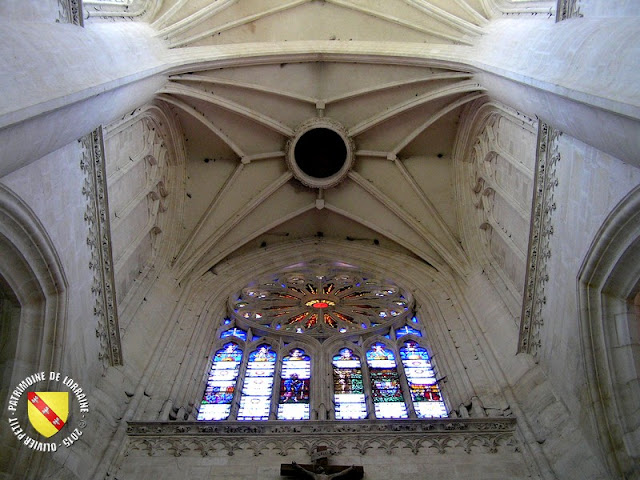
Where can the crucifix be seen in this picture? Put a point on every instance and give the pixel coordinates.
(320, 469)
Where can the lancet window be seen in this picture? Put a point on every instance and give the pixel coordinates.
(321, 341)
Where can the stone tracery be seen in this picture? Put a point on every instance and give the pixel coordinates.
(319, 303)
(321, 299)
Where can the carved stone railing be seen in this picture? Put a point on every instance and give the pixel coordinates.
(99, 241)
(485, 435)
(543, 206)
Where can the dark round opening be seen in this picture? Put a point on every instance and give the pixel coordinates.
(320, 152)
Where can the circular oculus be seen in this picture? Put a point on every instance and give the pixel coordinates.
(320, 154)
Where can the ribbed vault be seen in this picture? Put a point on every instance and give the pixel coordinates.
(402, 120)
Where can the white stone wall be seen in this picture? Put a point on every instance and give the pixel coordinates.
(60, 81)
(545, 421)
(609, 8)
(545, 417)
(590, 184)
(378, 465)
(174, 329)
(30, 10)
(52, 188)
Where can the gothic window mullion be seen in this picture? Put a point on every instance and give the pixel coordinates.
(306, 318)
(406, 388)
(366, 380)
(235, 403)
(277, 375)
(321, 398)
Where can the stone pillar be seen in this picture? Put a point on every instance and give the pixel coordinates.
(61, 81)
(580, 76)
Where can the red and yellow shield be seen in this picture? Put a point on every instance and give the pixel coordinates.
(48, 411)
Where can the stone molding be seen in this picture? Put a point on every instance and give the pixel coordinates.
(70, 11)
(99, 241)
(311, 124)
(487, 435)
(382, 296)
(539, 252)
(117, 10)
(566, 9)
(607, 288)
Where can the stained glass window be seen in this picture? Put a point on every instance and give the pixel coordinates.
(295, 386)
(407, 330)
(255, 402)
(425, 392)
(348, 389)
(386, 390)
(221, 383)
(321, 300)
(234, 332)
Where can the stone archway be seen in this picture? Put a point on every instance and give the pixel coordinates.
(609, 285)
(33, 303)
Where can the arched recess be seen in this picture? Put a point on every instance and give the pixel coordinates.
(145, 207)
(34, 297)
(494, 157)
(437, 306)
(609, 285)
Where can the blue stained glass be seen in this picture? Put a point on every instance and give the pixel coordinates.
(348, 387)
(424, 389)
(386, 390)
(227, 321)
(255, 403)
(407, 330)
(230, 352)
(295, 386)
(414, 319)
(262, 354)
(235, 332)
(221, 383)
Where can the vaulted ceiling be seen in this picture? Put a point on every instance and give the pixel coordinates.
(202, 22)
(238, 117)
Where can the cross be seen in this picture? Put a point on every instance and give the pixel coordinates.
(320, 469)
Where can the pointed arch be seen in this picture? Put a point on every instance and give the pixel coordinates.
(609, 289)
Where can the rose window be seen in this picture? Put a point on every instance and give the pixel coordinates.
(379, 368)
(321, 300)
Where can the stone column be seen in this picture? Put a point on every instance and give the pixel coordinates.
(61, 81)
(579, 75)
